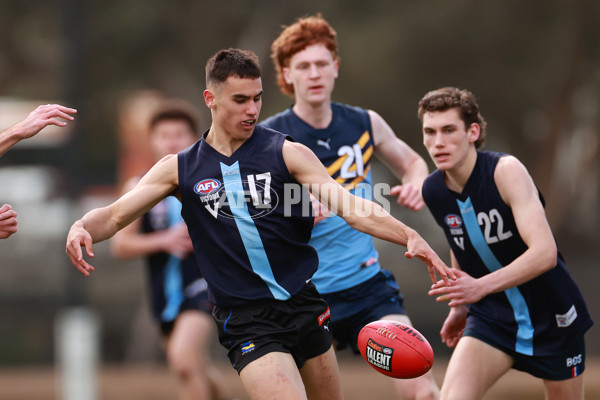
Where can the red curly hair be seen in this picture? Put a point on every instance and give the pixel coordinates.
(296, 37)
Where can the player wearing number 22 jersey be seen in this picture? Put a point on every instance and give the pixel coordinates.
(538, 318)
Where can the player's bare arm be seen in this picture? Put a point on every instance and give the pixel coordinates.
(363, 215)
(519, 192)
(405, 163)
(130, 242)
(38, 119)
(102, 223)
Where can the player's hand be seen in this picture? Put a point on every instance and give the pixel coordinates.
(8, 221)
(177, 241)
(416, 246)
(463, 291)
(454, 326)
(320, 211)
(43, 116)
(409, 196)
(77, 238)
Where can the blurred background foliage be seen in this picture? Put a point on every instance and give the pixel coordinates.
(534, 66)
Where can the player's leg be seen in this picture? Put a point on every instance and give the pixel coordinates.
(321, 377)
(273, 376)
(422, 388)
(569, 389)
(188, 355)
(473, 368)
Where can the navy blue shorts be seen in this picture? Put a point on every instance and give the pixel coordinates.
(298, 326)
(569, 363)
(353, 308)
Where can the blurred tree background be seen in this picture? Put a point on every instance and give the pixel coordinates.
(534, 66)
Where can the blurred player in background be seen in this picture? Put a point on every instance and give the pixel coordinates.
(251, 238)
(37, 120)
(177, 289)
(515, 305)
(345, 138)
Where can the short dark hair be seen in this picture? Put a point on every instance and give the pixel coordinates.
(175, 110)
(232, 62)
(450, 97)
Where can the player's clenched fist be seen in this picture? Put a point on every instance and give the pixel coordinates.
(8, 221)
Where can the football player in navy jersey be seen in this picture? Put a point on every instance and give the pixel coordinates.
(178, 292)
(345, 138)
(514, 304)
(250, 231)
(38, 119)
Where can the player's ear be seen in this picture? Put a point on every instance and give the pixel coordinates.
(473, 132)
(336, 67)
(285, 71)
(209, 98)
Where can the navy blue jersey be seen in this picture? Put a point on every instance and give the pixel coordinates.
(173, 281)
(539, 317)
(347, 257)
(247, 222)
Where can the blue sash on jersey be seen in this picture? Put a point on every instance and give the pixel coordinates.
(173, 281)
(524, 343)
(257, 255)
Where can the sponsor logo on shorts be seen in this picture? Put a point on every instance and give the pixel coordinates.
(324, 317)
(380, 356)
(564, 320)
(247, 347)
(575, 364)
(573, 361)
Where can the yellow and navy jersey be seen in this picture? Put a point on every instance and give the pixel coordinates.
(347, 257)
(539, 317)
(249, 220)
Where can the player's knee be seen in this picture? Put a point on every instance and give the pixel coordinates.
(183, 365)
(430, 393)
(451, 394)
(421, 390)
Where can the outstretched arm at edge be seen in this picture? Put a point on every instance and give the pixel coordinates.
(37, 120)
(102, 223)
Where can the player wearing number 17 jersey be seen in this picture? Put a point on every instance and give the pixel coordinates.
(515, 304)
(252, 249)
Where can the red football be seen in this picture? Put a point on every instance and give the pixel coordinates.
(395, 349)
